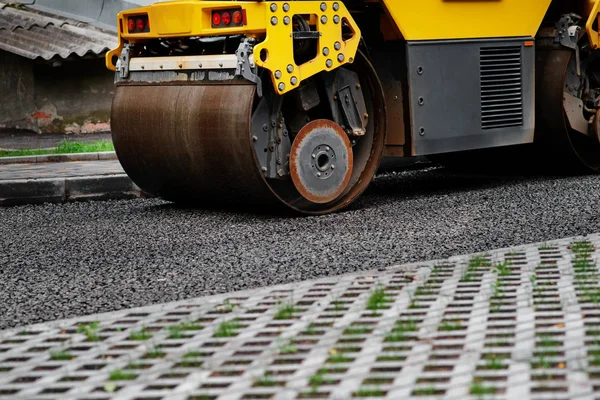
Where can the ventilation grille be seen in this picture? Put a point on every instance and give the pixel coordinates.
(501, 87)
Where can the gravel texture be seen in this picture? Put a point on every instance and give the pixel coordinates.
(59, 261)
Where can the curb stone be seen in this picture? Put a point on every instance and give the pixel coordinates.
(59, 190)
(54, 158)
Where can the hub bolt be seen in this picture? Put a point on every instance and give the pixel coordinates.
(286, 20)
(278, 74)
(336, 6)
(341, 57)
(329, 63)
(336, 19)
(294, 80)
(325, 51)
(281, 86)
(332, 166)
(286, 7)
(274, 20)
(273, 7)
(290, 68)
(337, 45)
(324, 19)
(323, 6)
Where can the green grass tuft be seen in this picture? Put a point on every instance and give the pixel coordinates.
(227, 329)
(64, 147)
(90, 331)
(377, 300)
(120, 375)
(477, 389)
(142, 334)
(369, 392)
(285, 311)
(61, 356)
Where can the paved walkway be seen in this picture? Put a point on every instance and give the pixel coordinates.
(514, 323)
(59, 170)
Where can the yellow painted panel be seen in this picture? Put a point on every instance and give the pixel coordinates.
(193, 18)
(269, 20)
(467, 19)
(279, 42)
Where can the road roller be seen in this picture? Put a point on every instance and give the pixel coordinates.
(291, 105)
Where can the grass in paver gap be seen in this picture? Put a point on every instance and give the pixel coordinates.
(90, 331)
(266, 381)
(495, 298)
(594, 355)
(424, 290)
(472, 268)
(400, 331)
(227, 329)
(120, 375)
(541, 361)
(311, 330)
(64, 147)
(494, 361)
(335, 357)
(155, 352)
(502, 269)
(226, 307)
(369, 392)
(142, 334)
(451, 325)
(61, 356)
(378, 300)
(537, 289)
(176, 331)
(338, 305)
(288, 347)
(478, 389)
(357, 330)
(319, 379)
(285, 311)
(582, 247)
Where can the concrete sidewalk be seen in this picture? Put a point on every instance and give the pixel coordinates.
(512, 323)
(64, 181)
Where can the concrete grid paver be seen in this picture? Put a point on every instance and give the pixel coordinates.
(521, 322)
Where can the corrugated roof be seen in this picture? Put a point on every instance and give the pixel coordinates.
(33, 35)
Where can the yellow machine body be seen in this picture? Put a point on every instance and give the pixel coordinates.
(275, 52)
(355, 79)
(422, 20)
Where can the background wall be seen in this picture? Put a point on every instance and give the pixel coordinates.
(99, 12)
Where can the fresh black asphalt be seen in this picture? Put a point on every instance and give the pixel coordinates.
(59, 261)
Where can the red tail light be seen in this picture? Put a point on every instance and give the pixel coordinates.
(237, 17)
(216, 19)
(228, 18)
(138, 24)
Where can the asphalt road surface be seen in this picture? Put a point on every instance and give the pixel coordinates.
(59, 261)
